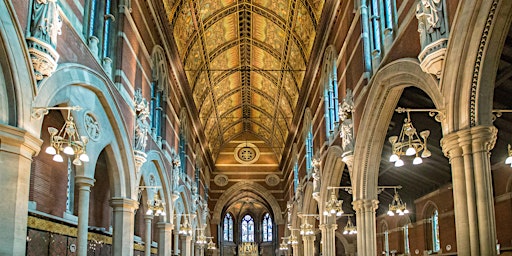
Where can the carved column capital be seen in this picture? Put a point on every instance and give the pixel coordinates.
(474, 139)
(365, 205)
(123, 204)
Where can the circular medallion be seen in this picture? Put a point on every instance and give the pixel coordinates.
(221, 180)
(246, 153)
(92, 126)
(272, 180)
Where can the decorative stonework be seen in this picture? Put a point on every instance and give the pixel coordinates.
(141, 122)
(92, 126)
(478, 63)
(272, 180)
(433, 31)
(317, 176)
(45, 26)
(247, 153)
(346, 109)
(221, 180)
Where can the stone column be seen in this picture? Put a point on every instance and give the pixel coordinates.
(176, 243)
(164, 238)
(295, 248)
(186, 245)
(84, 192)
(309, 245)
(147, 238)
(328, 236)
(469, 154)
(16, 150)
(366, 230)
(122, 237)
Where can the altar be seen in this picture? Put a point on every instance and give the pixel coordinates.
(248, 249)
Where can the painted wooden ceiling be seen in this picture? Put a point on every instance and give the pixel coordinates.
(245, 62)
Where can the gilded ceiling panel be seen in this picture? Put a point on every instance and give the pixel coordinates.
(205, 109)
(268, 32)
(279, 7)
(264, 60)
(286, 109)
(227, 84)
(194, 62)
(291, 89)
(222, 31)
(229, 59)
(262, 131)
(201, 90)
(298, 63)
(228, 103)
(263, 84)
(209, 7)
(317, 6)
(304, 27)
(232, 131)
(262, 103)
(184, 28)
(210, 125)
(229, 117)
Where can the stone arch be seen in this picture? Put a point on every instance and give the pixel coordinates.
(344, 241)
(385, 90)
(331, 172)
(155, 165)
(474, 49)
(250, 186)
(428, 208)
(160, 73)
(17, 83)
(92, 92)
(309, 205)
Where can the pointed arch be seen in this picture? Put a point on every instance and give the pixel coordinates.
(248, 186)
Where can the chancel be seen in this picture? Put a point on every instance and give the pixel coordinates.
(256, 127)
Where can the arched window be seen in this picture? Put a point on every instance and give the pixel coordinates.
(183, 141)
(247, 229)
(309, 149)
(385, 240)
(158, 88)
(330, 91)
(267, 228)
(100, 34)
(228, 228)
(436, 243)
(295, 176)
(406, 239)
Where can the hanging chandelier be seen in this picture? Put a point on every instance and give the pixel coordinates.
(201, 240)
(306, 229)
(333, 206)
(67, 140)
(211, 244)
(409, 143)
(349, 229)
(397, 206)
(185, 228)
(283, 246)
(156, 206)
(292, 239)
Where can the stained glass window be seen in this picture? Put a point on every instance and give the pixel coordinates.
(406, 239)
(330, 92)
(295, 176)
(436, 243)
(309, 149)
(247, 229)
(228, 228)
(267, 228)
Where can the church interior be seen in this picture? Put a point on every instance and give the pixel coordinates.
(256, 127)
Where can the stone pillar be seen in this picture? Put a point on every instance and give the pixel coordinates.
(295, 248)
(186, 245)
(176, 243)
(309, 245)
(84, 192)
(164, 239)
(16, 150)
(366, 230)
(122, 237)
(147, 238)
(328, 237)
(469, 154)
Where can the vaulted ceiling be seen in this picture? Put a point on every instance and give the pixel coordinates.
(245, 62)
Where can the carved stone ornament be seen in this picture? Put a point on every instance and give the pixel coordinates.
(45, 26)
(221, 180)
(92, 126)
(272, 180)
(346, 108)
(433, 32)
(317, 176)
(141, 121)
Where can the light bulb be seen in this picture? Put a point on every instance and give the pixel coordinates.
(410, 151)
(158, 212)
(163, 213)
(417, 160)
(68, 150)
(77, 162)
(58, 158)
(406, 211)
(326, 213)
(339, 213)
(399, 163)
(333, 211)
(391, 213)
(149, 212)
(507, 161)
(401, 213)
(426, 153)
(345, 232)
(52, 151)
(393, 158)
(84, 157)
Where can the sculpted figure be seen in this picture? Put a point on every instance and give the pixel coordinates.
(45, 21)
(316, 178)
(346, 122)
(141, 122)
(431, 25)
